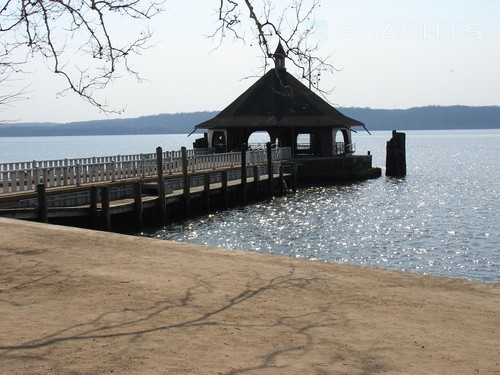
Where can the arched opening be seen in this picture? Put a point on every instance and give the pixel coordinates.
(342, 143)
(219, 143)
(258, 140)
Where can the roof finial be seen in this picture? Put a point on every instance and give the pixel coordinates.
(279, 57)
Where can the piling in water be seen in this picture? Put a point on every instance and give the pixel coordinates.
(395, 163)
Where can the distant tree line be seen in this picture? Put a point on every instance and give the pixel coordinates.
(419, 118)
(428, 118)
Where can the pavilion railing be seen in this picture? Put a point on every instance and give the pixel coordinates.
(342, 148)
(339, 148)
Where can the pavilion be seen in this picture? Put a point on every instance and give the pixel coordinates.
(293, 116)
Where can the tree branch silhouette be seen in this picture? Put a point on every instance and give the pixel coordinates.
(77, 39)
(293, 26)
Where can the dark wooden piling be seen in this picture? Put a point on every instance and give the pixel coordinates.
(105, 211)
(293, 171)
(243, 184)
(185, 183)
(395, 163)
(161, 186)
(256, 179)
(138, 205)
(42, 203)
(283, 186)
(225, 192)
(270, 174)
(93, 216)
(206, 191)
(256, 174)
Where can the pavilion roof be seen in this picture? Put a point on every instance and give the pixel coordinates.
(278, 100)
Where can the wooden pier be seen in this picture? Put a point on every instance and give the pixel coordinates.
(126, 193)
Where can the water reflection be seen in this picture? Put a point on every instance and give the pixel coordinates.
(363, 224)
(442, 219)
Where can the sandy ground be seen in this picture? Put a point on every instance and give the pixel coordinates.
(74, 301)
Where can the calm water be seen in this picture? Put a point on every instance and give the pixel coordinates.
(14, 149)
(442, 219)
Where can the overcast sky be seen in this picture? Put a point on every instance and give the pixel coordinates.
(390, 53)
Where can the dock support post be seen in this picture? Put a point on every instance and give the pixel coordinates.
(105, 212)
(256, 179)
(282, 182)
(185, 182)
(42, 203)
(270, 173)
(244, 174)
(206, 191)
(138, 205)
(256, 174)
(161, 187)
(294, 177)
(93, 207)
(225, 193)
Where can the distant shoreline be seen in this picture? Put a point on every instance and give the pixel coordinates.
(200, 133)
(418, 118)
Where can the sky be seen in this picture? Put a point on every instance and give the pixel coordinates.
(389, 54)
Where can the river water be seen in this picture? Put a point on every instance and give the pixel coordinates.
(441, 219)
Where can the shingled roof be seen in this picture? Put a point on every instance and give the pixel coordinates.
(278, 100)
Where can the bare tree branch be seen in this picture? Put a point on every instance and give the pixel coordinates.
(9, 93)
(293, 26)
(79, 39)
(229, 18)
(76, 38)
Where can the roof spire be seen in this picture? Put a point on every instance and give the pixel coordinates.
(279, 57)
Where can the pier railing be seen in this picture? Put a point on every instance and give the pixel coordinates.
(342, 148)
(25, 176)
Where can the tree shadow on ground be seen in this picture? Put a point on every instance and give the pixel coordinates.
(134, 323)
